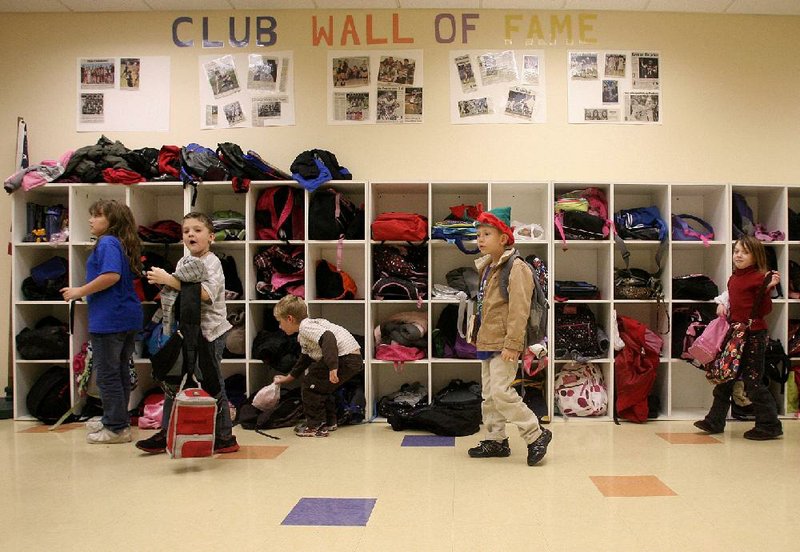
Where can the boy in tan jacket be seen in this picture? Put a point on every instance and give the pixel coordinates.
(500, 340)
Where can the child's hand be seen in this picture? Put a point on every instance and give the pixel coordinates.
(334, 376)
(157, 275)
(70, 293)
(722, 311)
(776, 279)
(509, 356)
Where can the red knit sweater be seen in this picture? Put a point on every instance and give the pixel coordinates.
(743, 287)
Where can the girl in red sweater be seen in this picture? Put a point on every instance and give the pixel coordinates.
(750, 268)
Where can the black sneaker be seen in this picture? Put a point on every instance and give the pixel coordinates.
(155, 444)
(538, 448)
(490, 449)
(759, 434)
(703, 425)
(221, 446)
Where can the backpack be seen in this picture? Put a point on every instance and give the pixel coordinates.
(576, 333)
(398, 354)
(49, 339)
(162, 231)
(453, 340)
(571, 289)
(537, 316)
(265, 170)
(743, 223)
(313, 168)
(772, 264)
(198, 163)
(46, 280)
(582, 215)
(233, 284)
(794, 225)
(455, 411)
(49, 397)
(145, 290)
(351, 402)
(229, 225)
(695, 287)
(640, 223)
(279, 214)
(580, 390)
(334, 283)
(410, 396)
(331, 215)
(687, 324)
(682, 230)
(459, 227)
(400, 227)
(777, 365)
(635, 369)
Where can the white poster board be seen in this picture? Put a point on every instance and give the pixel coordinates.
(130, 93)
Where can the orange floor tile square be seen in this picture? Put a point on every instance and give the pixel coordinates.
(42, 428)
(689, 439)
(631, 485)
(253, 452)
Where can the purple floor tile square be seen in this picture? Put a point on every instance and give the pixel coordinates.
(331, 511)
(428, 441)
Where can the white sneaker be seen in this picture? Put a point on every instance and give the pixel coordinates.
(107, 437)
(93, 426)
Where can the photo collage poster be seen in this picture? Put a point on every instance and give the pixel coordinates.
(618, 87)
(375, 87)
(123, 93)
(497, 87)
(246, 90)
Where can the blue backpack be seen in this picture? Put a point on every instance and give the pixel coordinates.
(641, 223)
(743, 224)
(683, 231)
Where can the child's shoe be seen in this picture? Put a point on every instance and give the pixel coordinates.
(94, 425)
(703, 425)
(538, 448)
(107, 437)
(759, 434)
(221, 446)
(155, 444)
(490, 449)
(306, 431)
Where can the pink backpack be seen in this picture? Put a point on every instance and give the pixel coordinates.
(398, 354)
(709, 344)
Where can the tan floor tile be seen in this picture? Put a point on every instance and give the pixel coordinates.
(253, 452)
(689, 439)
(631, 485)
(41, 428)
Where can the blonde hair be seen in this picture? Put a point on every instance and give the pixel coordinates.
(753, 246)
(290, 305)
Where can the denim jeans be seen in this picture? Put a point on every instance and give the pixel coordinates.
(751, 373)
(209, 357)
(111, 355)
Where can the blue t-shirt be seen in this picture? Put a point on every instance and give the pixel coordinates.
(116, 309)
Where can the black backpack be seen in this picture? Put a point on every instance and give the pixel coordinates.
(695, 287)
(46, 280)
(776, 364)
(576, 333)
(49, 398)
(331, 215)
(49, 339)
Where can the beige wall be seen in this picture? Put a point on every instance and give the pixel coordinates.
(730, 101)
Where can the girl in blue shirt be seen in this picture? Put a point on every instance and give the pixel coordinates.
(115, 314)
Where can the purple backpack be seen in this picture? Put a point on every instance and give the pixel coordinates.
(683, 231)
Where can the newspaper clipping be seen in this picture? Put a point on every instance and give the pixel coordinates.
(615, 65)
(642, 106)
(602, 114)
(393, 70)
(351, 106)
(497, 67)
(473, 107)
(390, 106)
(465, 74)
(212, 115)
(413, 104)
(233, 113)
(266, 110)
(221, 74)
(97, 73)
(262, 72)
(129, 73)
(350, 71)
(92, 108)
(530, 70)
(610, 91)
(521, 102)
(645, 71)
(583, 66)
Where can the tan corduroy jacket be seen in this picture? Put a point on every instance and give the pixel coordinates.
(503, 322)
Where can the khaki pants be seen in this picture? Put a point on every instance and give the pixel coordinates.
(501, 402)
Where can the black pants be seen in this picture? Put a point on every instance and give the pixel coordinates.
(319, 405)
(751, 373)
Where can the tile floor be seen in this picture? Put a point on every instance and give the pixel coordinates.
(652, 487)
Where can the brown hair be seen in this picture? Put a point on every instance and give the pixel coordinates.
(203, 218)
(756, 248)
(290, 305)
(121, 225)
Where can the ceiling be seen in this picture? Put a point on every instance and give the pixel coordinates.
(762, 7)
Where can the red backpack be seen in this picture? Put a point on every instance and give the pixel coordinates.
(279, 214)
(400, 227)
(635, 369)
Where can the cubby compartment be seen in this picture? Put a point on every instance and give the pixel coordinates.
(768, 204)
(633, 196)
(83, 197)
(407, 197)
(26, 257)
(585, 261)
(153, 202)
(352, 263)
(46, 196)
(530, 204)
(691, 394)
(710, 203)
(447, 195)
(290, 211)
(25, 376)
(694, 258)
(217, 197)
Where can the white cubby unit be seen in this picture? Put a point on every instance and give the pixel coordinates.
(681, 388)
